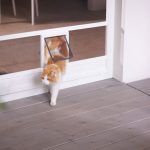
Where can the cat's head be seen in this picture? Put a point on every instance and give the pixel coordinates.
(58, 47)
(50, 74)
(55, 43)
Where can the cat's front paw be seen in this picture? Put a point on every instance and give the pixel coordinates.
(53, 103)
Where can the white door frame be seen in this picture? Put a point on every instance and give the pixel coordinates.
(12, 88)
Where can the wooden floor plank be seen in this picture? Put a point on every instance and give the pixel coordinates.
(48, 135)
(147, 148)
(65, 102)
(81, 128)
(142, 85)
(101, 116)
(27, 115)
(74, 112)
(99, 141)
(137, 143)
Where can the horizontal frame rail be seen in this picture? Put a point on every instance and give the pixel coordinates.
(52, 31)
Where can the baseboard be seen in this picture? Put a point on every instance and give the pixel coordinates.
(23, 94)
(27, 83)
(42, 89)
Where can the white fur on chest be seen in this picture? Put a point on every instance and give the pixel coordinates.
(55, 51)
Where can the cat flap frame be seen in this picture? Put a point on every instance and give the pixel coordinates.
(63, 57)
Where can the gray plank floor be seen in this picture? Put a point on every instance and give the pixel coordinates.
(105, 115)
(143, 86)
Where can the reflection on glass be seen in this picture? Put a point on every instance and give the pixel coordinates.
(58, 48)
(19, 54)
(87, 43)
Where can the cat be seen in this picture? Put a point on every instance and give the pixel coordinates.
(54, 70)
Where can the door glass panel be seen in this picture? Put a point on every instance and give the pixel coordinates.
(52, 14)
(19, 54)
(87, 43)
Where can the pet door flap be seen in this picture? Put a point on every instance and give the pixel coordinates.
(58, 48)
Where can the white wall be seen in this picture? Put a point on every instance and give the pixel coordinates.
(136, 60)
(117, 65)
(136, 40)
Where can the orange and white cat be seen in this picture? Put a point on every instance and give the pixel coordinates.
(54, 70)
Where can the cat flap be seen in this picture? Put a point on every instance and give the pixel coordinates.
(58, 48)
